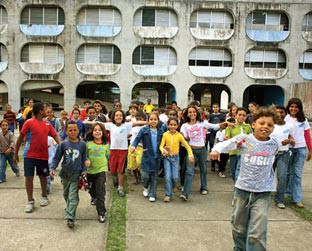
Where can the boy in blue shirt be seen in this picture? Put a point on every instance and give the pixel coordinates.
(74, 156)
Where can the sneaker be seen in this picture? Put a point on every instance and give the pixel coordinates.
(93, 201)
(183, 197)
(121, 192)
(30, 206)
(152, 199)
(281, 205)
(70, 223)
(204, 192)
(221, 175)
(182, 188)
(167, 199)
(299, 205)
(102, 218)
(44, 201)
(145, 192)
(17, 174)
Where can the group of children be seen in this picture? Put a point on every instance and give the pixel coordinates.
(252, 152)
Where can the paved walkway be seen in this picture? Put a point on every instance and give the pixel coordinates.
(45, 228)
(203, 222)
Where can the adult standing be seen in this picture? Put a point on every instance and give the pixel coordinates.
(299, 152)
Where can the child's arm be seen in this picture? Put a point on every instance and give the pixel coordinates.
(137, 140)
(307, 137)
(139, 123)
(224, 146)
(188, 149)
(17, 147)
(57, 139)
(161, 146)
(56, 160)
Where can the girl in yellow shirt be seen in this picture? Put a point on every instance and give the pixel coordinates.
(169, 147)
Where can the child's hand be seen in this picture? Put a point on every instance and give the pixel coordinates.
(214, 155)
(191, 159)
(52, 172)
(165, 152)
(8, 151)
(15, 158)
(309, 155)
(87, 163)
(292, 142)
(132, 149)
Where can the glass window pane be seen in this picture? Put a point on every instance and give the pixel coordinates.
(258, 18)
(162, 18)
(50, 16)
(147, 55)
(25, 54)
(136, 56)
(117, 55)
(106, 54)
(36, 15)
(148, 17)
(92, 54)
(61, 17)
(92, 16)
(81, 55)
(106, 17)
(36, 54)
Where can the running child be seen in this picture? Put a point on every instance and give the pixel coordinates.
(169, 147)
(97, 163)
(255, 181)
(7, 144)
(74, 154)
(151, 136)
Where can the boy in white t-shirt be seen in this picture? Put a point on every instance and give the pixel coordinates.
(283, 133)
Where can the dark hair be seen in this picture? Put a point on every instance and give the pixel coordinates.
(140, 113)
(152, 113)
(215, 104)
(4, 121)
(300, 114)
(97, 102)
(87, 101)
(281, 107)
(265, 111)
(175, 112)
(173, 118)
(90, 137)
(70, 122)
(242, 109)
(89, 108)
(195, 103)
(38, 106)
(187, 119)
(231, 120)
(133, 106)
(174, 102)
(253, 103)
(75, 109)
(230, 104)
(113, 115)
(156, 109)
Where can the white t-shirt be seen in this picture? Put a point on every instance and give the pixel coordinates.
(196, 132)
(163, 118)
(134, 132)
(299, 128)
(281, 132)
(220, 138)
(133, 119)
(119, 135)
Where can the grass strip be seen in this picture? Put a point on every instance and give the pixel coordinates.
(302, 212)
(116, 239)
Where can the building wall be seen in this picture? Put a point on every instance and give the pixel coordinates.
(183, 42)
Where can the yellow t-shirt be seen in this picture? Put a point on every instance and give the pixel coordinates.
(173, 142)
(148, 108)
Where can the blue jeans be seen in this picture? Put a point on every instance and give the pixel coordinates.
(200, 155)
(250, 220)
(3, 159)
(295, 168)
(281, 165)
(150, 180)
(234, 166)
(171, 165)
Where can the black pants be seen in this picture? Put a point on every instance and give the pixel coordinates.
(183, 154)
(97, 190)
(222, 163)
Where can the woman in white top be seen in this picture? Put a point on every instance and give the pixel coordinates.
(302, 139)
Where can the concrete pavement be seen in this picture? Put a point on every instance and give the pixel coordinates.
(204, 222)
(45, 228)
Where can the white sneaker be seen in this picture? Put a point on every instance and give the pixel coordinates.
(152, 199)
(221, 175)
(44, 201)
(30, 207)
(145, 192)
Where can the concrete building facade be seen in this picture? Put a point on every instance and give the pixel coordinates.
(67, 51)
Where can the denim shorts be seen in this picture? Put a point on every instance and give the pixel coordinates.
(42, 167)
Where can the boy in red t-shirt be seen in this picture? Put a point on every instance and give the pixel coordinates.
(36, 153)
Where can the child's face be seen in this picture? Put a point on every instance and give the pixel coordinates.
(139, 118)
(91, 114)
(49, 113)
(75, 115)
(241, 117)
(153, 121)
(64, 116)
(252, 107)
(172, 114)
(234, 110)
(72, 131)
(97, 132)
(8, 108)
(192, 113)
(97, 107)
(293, 110)
(215, 108)
(75, 106)
(281, 114)
(132, 111)
(173, 126)
(263, 127)
(180, 114)
(4, 126)
(117, 105)
(86, 105)
(118, 117)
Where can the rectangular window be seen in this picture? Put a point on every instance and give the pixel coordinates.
(106, 54)
(202, 63)
(162, 18)
(258, 18)
(50, 16)
(3, 16)
(36, 54)
(147, 56)
(92, 16)
(106, 17)
(116, 56)
(92, 55)
(81, 55)
(25, 54)
(148, 17)
(161, 56)
(136, 59)
(36, 15)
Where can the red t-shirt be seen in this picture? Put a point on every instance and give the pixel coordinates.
(83, 115)
(37, 133)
